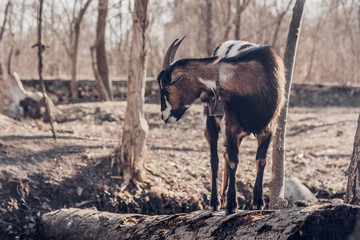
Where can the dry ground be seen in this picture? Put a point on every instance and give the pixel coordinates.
(38, 175)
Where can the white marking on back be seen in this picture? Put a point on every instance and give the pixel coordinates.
(227, 77)
(224, 52)
(208, 83)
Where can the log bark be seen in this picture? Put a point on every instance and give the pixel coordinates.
(352, 195)
(315, 222)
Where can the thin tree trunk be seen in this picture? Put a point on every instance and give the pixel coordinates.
(238, 21)
(41, 48)
(73, 85)
(279, 21)
(77, 23)
(23, 6)
(352, 195)
(2, 29)
(209, 47)
(11, 37)
(277, 200)
(101, 54)
(240, 7)
(130, 154)
(9, 65)
(101, 61)
(98, 79)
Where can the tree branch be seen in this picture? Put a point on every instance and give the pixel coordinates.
(2, 30)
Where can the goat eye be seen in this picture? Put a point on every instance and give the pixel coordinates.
(176, 80)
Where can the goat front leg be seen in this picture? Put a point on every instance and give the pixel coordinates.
(263, 144)
(225, 182)
(212, 134)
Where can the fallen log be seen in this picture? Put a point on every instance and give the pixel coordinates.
(315, 222)
(16, 102)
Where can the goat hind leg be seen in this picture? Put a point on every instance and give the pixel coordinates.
(212, 135)
(263, 144)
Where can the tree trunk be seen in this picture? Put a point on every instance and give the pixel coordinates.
(2, 29)
(277, 200)
(316, 222)
(101, 61)
(103, 94)
(75, 47)
(281, 16)
(209, 36)
(41, 48)
(240, 7)
(130, 154)
(352, 195)
(73, 85)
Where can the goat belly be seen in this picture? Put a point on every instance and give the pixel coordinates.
(250, 113)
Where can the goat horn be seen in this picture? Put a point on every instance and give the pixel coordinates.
(170, 53)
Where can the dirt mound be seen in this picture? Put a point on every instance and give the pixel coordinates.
(38, 175)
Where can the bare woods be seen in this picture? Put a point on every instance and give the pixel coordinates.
(329, 49)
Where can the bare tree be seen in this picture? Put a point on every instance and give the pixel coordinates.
(209, 45)
(101, 77)
(280, 17)
(277, 200)
(76, 24)
(101, 61)
(2, 29)
(352, 195)
(241, 5)
(69, 37)
(11, 37)
(130, 154)
(103, 94)
(41, 48)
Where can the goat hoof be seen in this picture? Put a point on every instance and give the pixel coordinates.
(214, 203)
(258, 203)
(215, 208)
(259, 207)
(230, 211)
(230, 208)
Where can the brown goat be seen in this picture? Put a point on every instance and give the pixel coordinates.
(251, 81)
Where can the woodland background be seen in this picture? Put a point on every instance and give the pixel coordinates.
(328, 47)
(39, 176)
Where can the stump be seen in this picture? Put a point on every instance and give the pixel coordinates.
(315, 222)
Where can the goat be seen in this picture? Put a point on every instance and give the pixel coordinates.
(251, 79)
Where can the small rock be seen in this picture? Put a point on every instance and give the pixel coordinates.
(79, 191)
(296, 191)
